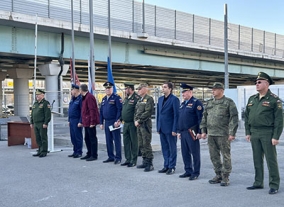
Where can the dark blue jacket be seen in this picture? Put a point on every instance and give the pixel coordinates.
(75, 107)
(167, 114)
(111, 108)
(190, 114)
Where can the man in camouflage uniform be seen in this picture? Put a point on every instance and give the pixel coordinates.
(220, 123)
(143, 122)
(264, 125)
(40, 117)
(130, 140)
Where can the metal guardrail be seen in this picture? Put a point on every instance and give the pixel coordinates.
(126, 15)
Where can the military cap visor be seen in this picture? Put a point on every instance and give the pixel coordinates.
(39, 91)
(74, 86)
(108, 84)
(186, 87)
(264, 76)
(129, 85)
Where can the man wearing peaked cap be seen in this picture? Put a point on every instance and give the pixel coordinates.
(110, 114)
(190, 115)
(130, 139)
(264, 76)
(75, 121)
(40, 117)
(220, 124)
(264, 125)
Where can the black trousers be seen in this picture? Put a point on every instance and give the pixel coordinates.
(91, 141)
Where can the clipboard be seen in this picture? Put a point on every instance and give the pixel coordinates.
(193, 131)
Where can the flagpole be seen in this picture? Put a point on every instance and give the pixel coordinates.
(109, 35)
(72, 34)
(92, 63)
(35, 61)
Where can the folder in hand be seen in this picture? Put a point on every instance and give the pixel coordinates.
(112, 128)
(193, 131)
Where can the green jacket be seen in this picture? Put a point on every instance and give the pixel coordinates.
(41, 112)
(128, 107)
(144, 109)
(264, 114)
(220, 117)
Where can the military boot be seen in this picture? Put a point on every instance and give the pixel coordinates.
(225, 180)
(149, 166)
(216, 179)
(143, 165)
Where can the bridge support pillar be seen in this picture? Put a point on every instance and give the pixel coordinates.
(51, 72)
(21, 75)
(2, 77)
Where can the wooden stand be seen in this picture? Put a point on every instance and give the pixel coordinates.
(18, 131)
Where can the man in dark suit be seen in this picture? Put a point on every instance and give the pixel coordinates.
(167, 120)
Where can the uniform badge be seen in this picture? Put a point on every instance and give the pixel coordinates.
(144, 100)
(120, 100)
(48, 106)
(199, 107)
(265, 103)
(279, 106)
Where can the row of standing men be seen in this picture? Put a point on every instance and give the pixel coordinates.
(188, 121)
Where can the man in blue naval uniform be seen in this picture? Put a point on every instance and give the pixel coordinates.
(190, 115)
(110, 113)
(75, 120)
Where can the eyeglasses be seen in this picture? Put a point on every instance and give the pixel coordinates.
(258, 82)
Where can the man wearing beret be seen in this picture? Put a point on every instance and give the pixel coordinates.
(264, 125)
(130, 140)
(90, 119)
(142, 120)
(190, 115)
(110, 114)
(75, 120)
(220, 123)
(167, 121)
(40, 117)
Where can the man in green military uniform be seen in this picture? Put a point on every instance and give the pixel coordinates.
(130, 140)
(40, 117)
(220, 123)
(264, 125)
(143, 122)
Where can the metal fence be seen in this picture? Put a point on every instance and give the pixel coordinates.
(126, 15)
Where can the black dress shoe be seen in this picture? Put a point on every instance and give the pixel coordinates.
(85, 157)
(193, 177)
(273, 191)
(108, 160)
(164, 170)
(185, 175)
(91, 159)
(131, 165)
(170, 171)
(77, 156)
(71, 155)
(125, 164)
(42, 155)
(37, 154)
(116, 162)
(254, 187)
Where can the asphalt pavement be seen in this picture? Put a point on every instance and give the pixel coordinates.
(57, 180)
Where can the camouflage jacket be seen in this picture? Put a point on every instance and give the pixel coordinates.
(220, 117)
(144, 109)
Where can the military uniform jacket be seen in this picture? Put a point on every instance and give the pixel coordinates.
(263, 114)
(144, 109)
(190, 114)
(220, 117)
(41, 112)
(128, 107)
(75, 107)
(110, 108)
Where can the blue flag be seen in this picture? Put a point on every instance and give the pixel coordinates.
(109, 75)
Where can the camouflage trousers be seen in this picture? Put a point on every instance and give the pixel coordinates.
(217, 146)
(144, 134)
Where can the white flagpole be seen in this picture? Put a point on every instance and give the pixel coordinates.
(34, 81)
(92, 62)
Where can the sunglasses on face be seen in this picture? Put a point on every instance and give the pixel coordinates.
(258, 82)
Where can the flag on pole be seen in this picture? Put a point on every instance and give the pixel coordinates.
(77, 82)
(91, 85)
(109, 74)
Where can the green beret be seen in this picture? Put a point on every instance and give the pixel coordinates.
(39, 91)
(264, 76)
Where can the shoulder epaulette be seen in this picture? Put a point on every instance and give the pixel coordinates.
(274, 95)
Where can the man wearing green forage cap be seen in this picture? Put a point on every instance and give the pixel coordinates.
(40, 117)
(264, 125)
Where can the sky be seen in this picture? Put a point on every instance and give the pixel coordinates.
(265, 15)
